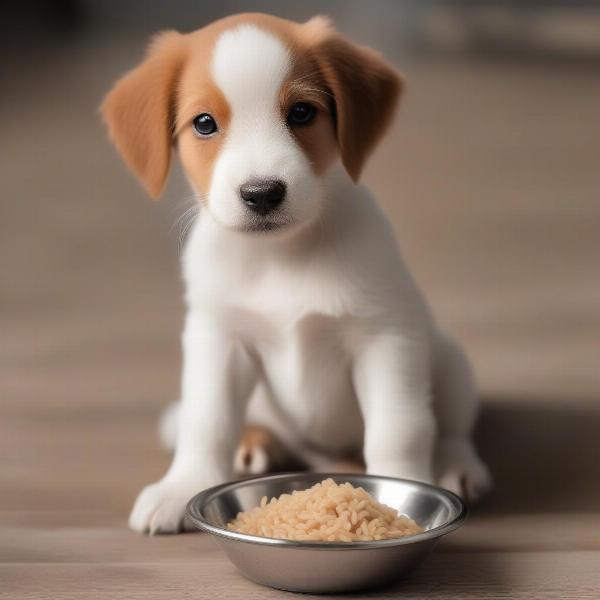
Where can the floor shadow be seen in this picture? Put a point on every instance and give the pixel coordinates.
(452, 575)
(543, 454)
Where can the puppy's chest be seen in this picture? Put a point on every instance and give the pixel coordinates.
(306, 366)
(304, 323)
(305, 349)
(301, 326)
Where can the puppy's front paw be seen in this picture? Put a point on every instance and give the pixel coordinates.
(461, 471)
(160, 507)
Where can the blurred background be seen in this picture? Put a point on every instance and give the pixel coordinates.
(491, 176)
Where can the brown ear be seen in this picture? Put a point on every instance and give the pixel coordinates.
(139, 111)
(365, 90)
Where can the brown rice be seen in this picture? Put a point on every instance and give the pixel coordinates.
(327, 512)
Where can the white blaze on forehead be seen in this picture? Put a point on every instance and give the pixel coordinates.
(250, 65)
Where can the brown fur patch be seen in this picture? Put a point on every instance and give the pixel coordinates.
(364, 87)
(318, 138)
(140, 108)
(354, 90)
(279, 456)
(352, 86)
(199, 94)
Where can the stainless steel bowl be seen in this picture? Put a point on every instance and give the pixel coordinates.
(326, 567)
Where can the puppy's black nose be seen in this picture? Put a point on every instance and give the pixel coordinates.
(262, 195)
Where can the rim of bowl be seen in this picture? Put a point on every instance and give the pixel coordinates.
(194, 512)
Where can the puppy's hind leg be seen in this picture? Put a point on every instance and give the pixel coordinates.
(262, 451)
(457, 464)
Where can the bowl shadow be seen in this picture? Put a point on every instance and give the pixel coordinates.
(452, 575)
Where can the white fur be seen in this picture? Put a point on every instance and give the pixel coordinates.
(258, 142)
(319, 333)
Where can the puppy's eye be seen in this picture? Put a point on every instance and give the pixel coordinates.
(205, 125)
(301, 113)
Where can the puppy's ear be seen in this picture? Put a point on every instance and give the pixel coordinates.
(365, 89)
(140, 111)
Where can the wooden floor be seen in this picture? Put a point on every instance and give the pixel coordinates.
(491, 177)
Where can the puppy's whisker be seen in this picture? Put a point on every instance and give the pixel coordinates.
(178, 222)
(185, 222)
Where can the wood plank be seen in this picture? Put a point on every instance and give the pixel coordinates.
(523, 575)
(50, 537)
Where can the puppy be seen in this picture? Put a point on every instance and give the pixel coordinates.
(302, 318)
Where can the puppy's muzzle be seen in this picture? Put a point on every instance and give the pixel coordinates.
(262, 196)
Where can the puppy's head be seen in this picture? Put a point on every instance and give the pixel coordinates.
(258, 108)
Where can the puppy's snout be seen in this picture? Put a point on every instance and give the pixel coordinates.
(263, 195)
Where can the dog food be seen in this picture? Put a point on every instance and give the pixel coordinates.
(327, 512)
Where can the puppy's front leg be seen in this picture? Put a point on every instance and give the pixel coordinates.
(218, 377)
(392, 381)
